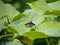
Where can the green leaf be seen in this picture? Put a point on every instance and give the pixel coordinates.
(50, 28)
(34, 17)
(19, 16)
(40, 6)
(26, 40)
(2, 21)
(2, 9)
(11, 29)
(19, 28)
(50, 1)
(11, 12)
(54, 5)
(59, 42)
(53, 12)
(8, 11)
(29, 13)
(55, 8)
(14, 43)
(33, 35)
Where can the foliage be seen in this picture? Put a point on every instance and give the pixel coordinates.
(35, 22)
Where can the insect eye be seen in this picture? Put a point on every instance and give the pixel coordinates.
(30, 24)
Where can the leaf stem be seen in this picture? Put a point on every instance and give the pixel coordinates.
(8, 20)
(47, 42)
(5, 35)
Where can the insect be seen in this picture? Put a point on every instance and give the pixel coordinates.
(30, 24)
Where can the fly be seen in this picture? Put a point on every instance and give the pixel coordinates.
(30, 24)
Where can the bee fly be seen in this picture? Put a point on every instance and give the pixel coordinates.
(30, 24)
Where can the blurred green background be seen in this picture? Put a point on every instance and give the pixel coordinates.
(21, 5)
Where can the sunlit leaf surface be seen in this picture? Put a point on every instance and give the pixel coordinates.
(50, 28)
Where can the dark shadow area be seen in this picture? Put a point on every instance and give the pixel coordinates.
(50, 1)
(58, 19)
(39, 41)
(29, 1)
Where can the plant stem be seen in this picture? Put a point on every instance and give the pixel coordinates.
(31, 43)
(47, 42)
(5, 35)
(8, 20)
